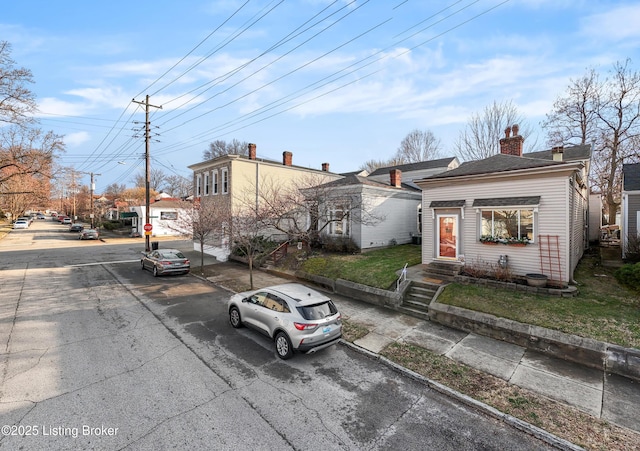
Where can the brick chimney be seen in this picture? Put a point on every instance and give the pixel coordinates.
(325, 167)
(512, 145)
(252, 151)
(557, 153)
(395, 177)
(287, 158)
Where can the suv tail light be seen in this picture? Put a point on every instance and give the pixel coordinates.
(305, 326)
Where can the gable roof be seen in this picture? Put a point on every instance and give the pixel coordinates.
(164, 203)
(496, 163)
(631, 174)
(573, 153)
(503, 162)
(353, 179)
(409, 167)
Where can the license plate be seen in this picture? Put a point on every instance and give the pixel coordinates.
(326, 330)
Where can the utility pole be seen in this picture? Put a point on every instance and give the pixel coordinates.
(92, 188)
(147, 133)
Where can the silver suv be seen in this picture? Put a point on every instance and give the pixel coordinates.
(295, 317)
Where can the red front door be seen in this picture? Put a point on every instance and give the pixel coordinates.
(448, 236)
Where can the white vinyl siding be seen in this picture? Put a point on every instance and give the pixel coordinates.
(400, 223)
(552, 218)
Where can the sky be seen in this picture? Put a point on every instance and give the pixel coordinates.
(339, 82)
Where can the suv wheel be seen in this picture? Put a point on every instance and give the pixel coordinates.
(142, 264)
(155, 271)
(234, 317)
(283, 346)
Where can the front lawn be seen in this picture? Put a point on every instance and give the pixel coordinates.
(376, 268)
(603, 309)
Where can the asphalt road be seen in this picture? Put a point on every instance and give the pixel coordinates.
(97, 354)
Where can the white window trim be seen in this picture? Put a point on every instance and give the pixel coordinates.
(199, 185)
(215, 181)
(206, 183)
(346, 226)
(224, 176)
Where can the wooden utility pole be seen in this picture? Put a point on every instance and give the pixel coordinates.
(147, 134)
(91, 189)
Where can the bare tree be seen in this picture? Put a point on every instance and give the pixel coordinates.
(246, 233)
(607, 115)
(16, 101)
(372, 165)
(178, 186)
(219, 147)
(157, 179)
(306, 209)
(27, 152)
(114, 190)
(573, 119)
(481, 137)
(201, 221)
(418, 145)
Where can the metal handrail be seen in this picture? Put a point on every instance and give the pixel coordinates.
(403, 277)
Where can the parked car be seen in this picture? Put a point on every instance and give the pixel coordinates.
(41, 216)
(66, 221)
(59, 218)
(76, 227)
(89, 234)
(26, 219)
(21, 224)
(166, 261)
(295, 317)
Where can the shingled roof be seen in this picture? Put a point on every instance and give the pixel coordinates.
(429, 164)
(573, 153)
(496, 163)
(353, 179)
(502, 162)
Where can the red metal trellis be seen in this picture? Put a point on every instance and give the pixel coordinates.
(550, 264)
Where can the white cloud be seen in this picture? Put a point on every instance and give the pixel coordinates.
(77, 139)
(614, 25)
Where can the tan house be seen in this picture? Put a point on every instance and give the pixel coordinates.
(529, 212)
(230, 180)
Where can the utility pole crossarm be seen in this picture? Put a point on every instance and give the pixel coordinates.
(147, 133)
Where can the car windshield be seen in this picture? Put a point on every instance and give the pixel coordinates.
(317, 311)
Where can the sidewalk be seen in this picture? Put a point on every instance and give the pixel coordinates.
(606, 396)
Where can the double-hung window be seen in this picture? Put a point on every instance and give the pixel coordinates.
(225, 180)
(199, 185)
(206, 184)
(215, 182)
(338, 221)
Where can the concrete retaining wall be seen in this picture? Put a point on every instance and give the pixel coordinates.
(585, 351)
(370, 295)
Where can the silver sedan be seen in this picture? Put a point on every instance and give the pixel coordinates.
(166, 261)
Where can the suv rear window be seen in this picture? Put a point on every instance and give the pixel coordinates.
(317, 311)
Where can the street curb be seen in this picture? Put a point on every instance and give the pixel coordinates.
(510, 420)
